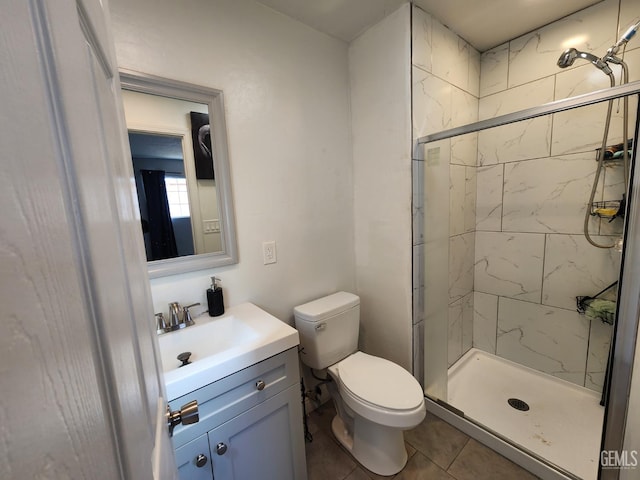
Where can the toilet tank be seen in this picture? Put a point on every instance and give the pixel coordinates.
(328, 329)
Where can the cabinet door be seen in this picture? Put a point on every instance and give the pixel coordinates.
(193, 460)
(265, 442)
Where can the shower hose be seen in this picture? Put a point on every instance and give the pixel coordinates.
(625, 136)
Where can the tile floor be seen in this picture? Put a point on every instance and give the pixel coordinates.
(437, 451)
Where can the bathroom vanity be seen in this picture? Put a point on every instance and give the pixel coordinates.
(244, 375)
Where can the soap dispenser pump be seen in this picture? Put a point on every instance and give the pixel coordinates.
(214, 298)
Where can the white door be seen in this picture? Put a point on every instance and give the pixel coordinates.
(78, 363)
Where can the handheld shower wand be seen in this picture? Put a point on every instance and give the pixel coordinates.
(569, 56)
(567, 59)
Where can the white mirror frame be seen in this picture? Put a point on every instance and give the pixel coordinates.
(145, 83)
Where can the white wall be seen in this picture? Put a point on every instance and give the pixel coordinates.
(287, 110)
(379, 73)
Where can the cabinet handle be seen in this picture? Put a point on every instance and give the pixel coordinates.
(221, 448)
(260, 384)
(201, 460)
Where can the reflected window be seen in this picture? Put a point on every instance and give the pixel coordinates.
(177, 196)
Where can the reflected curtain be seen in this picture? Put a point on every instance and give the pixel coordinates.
(163, 241)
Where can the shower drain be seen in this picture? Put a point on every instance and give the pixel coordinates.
(518, 404)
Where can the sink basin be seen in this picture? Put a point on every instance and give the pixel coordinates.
(220, 346)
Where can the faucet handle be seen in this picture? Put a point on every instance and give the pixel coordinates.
(186, 318)
(161, 323)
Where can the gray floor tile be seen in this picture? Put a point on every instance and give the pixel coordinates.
(477, 462)
(319, 423)
(433, 447)
(437, 440)
(359, 474)
(421, 468)
(374, 476)
(326, 460)
(320, 419)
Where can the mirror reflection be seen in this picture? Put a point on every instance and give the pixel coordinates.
(174, 173)
(178, 139)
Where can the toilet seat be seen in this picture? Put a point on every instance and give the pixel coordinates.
(379, 390)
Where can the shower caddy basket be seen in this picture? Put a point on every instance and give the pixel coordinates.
(611, 209)
(583, 306)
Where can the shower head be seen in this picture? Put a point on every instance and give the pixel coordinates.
(569, 56)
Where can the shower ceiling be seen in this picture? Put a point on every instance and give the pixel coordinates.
(484, 24)
(488, 23)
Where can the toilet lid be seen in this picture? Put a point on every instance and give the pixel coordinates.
(380, 382)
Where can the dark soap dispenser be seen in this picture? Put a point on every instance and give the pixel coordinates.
(214, 298)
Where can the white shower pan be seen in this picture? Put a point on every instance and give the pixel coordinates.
(563, 424)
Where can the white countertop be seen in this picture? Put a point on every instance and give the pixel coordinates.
(222, 345)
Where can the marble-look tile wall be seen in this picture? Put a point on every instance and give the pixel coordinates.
(498, 216)
(446, 85)
(533, 182)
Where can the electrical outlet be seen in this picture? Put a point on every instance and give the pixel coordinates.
(269, 252)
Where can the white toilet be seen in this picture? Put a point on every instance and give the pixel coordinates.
(375, 399)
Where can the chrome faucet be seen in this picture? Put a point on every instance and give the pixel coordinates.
(175, 314)
(179, 317)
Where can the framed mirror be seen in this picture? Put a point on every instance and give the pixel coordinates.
(178, 140)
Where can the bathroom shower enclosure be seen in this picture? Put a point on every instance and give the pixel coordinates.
(523, 352)
(501, 207)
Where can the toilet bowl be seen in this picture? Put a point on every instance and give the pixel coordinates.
(379, 390)
(378, 399)
(375, 398)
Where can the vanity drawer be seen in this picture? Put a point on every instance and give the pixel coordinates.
(228, 397)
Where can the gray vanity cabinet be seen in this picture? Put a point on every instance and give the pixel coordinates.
(250, 425)
(262, 443)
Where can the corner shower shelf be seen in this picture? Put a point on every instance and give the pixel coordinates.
(604, 311)
(614, 153)
(608, 209)
(611, 209)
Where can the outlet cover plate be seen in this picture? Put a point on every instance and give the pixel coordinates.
(269, 252)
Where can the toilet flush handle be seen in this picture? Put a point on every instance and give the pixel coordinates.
(321, 326)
